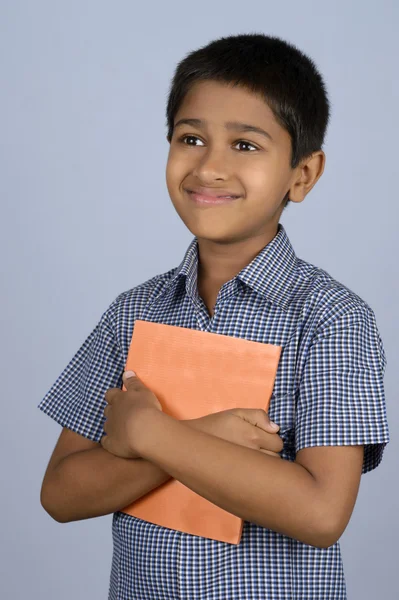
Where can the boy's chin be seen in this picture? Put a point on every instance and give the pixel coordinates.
(217, 229)
(221, 236)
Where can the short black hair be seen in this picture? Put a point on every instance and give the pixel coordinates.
(277, 71)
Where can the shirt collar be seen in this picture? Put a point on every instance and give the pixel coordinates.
(271, 273)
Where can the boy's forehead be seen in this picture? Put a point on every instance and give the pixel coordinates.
(216, 102)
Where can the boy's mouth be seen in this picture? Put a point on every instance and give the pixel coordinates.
(210, 200)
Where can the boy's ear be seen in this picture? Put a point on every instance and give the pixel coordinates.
(308, 173)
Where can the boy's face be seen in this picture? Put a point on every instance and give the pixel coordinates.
(259, 173)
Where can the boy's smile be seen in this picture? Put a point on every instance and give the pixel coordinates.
(252, 164)
(210, 197)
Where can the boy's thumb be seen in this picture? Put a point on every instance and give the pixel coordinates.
(127, 376)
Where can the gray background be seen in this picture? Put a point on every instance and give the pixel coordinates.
(85, 215)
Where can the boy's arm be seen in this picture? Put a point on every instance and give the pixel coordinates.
(83, 480)
(310, 499)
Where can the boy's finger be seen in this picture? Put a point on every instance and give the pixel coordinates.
(270, 453)
(270, 425)
(257, 417)
(263, 421)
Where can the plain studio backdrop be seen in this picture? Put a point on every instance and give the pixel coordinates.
(85, 215)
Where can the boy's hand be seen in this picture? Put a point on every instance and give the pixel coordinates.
(123, 412)
(252, 429)
(246, 427)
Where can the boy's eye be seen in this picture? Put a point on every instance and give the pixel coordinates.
(184, 137)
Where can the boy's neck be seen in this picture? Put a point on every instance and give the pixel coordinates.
(219, 263)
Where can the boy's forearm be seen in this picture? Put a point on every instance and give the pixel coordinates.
(95, 483)
(279, 495)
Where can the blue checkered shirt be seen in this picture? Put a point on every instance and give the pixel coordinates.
(328, 392)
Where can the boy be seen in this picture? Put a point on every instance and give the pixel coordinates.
(247, 117)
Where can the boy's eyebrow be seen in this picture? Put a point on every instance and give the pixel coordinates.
(235, 125)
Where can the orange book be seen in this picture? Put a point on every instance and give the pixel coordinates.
(195, 373)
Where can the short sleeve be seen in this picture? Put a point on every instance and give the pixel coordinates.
(76, 399)
(341, 398)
